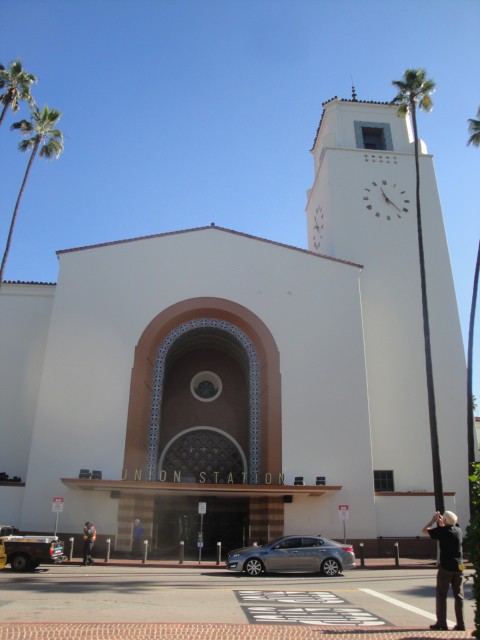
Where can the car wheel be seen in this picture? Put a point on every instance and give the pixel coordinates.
(330, 567)
(253, 567)
(20, 563)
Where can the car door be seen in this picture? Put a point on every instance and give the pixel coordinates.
(311, 553)
(285, 555)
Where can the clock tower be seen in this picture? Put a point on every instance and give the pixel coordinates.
(361, 208)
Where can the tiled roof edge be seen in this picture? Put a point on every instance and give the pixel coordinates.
(30, 282)
(209, 228)
(342, 100)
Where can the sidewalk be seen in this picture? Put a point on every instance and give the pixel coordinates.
(370, 563)
(178, 631)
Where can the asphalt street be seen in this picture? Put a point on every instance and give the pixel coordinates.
(69, 593)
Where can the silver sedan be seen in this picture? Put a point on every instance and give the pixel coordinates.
(314, 554)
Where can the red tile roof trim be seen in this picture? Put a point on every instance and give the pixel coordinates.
(342, 100)
(209, 228)
(48, 284)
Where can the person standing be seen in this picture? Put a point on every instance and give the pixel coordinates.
(137, 539)
(449, 536)
(89, 537)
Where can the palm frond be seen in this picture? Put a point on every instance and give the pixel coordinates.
(474, 130)
(413, 89)
(24, 126)
(426, 103)
(26, 145)
(17, 83)
(53, 148)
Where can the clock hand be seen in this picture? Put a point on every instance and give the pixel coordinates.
(389, 201)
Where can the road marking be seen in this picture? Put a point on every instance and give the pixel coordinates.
(403, 605)
(292, 597)
(315, 616)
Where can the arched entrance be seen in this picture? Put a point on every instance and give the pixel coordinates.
(204, 361)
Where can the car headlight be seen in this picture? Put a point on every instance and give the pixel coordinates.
(233, 555)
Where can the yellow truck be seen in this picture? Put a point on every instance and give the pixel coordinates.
(25, 553)
(3, 555)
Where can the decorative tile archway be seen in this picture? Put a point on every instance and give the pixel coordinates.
(235, 334)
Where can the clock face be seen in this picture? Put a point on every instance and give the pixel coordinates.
(386, 199)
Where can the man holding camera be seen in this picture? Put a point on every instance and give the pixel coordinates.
(449, 537)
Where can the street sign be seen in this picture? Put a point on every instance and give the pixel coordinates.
(57, 504)
(343, 511)
(57, 507)
(202, 510)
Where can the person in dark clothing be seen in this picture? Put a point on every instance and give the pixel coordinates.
(137, 539)
(89, 537)
(449, 536)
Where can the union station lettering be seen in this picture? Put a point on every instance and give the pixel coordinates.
(203, 477)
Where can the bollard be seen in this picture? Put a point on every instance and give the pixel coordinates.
(181, 552)
(70, 555)
(144, 559)
(219, 552)
(107, 557)
(362, 554)
(397, 554)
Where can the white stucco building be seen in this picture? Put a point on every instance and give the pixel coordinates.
(211, 366)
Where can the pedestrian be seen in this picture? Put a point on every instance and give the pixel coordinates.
(137, 539)
(450, 571)
(89, 537)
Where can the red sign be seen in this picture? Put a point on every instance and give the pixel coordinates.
(57, 504)
(343, 511)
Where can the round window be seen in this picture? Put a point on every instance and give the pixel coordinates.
(206, 386)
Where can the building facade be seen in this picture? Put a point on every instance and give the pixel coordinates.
(277, 386)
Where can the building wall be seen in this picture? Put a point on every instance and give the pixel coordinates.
(391, 297)
(24, 320)
(105, 298)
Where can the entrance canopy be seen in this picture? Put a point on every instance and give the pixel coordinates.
(182, 488)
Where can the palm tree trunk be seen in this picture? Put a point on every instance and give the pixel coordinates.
(436, 465)
(4, 111)
(470, 416)
(15, 211)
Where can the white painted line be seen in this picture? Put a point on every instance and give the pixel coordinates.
(403, 605)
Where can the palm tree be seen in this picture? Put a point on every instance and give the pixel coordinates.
(50, 142)
(474, 131)
(16, 82)
(414, 91)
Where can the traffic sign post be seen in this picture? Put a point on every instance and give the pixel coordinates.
(57, 507)
(202, 510)
(344, 514)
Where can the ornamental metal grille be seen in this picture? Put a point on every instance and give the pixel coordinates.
(221, 327)
(203, 455)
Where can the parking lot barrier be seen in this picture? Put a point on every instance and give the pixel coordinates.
(362, 554)
(107, 555)
(145, 552)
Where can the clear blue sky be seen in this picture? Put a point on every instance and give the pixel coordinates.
(179, 113)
